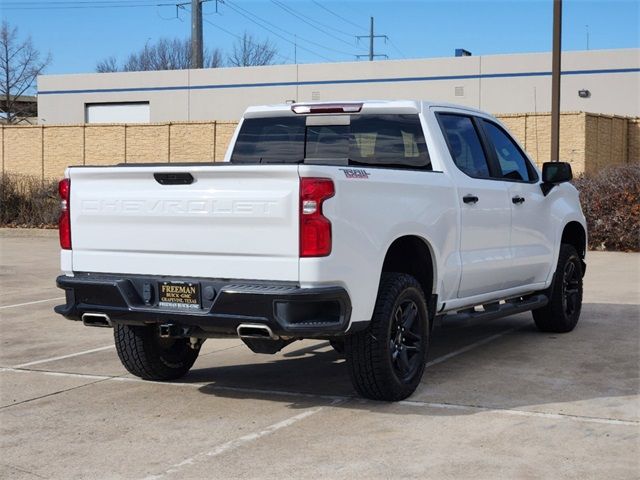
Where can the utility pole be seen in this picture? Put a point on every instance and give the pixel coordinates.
(371, 38)
(555, 80)
(587, 28)
(196, 34)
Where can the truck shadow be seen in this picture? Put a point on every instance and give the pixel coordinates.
(503, 364)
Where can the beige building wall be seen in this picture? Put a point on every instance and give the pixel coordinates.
(588, 141)
(513, 83)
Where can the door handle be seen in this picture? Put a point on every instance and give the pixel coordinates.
(470, 199)
(517, 199)
(177, 178)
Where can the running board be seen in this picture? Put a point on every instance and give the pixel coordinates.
(495, 310)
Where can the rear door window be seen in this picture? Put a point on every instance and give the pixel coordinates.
(392, 140)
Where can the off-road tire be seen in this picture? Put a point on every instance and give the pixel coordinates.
(144, 354)
(373, 368)
(562, 312)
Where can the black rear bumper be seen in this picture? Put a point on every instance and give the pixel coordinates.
(285, 308)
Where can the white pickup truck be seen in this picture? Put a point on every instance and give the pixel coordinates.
(355, 222)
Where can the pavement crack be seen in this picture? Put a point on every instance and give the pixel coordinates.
(52, 394)
(21, 470)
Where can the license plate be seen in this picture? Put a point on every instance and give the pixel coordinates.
(182, 295)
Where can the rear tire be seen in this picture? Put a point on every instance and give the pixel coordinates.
(386, 361)
(562, 312)
(144, 354)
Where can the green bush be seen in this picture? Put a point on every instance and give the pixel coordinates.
(611, 203)
(27, 201)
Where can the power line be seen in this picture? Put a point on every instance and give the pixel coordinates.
(68, 2)
(228, 32)
(71, 7)
(55, 2)
(338, 15)
(259, 19)
(309, 21)
(234, 7)
(301, 15)
(396, 48)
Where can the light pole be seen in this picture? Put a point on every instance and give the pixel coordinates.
(555, 80)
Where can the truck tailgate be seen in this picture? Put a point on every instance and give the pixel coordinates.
(238, 222)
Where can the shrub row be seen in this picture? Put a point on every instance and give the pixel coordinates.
(610, 201)
(27, 201)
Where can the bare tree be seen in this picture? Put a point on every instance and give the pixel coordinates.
(165, 54)
(20, 65)
(109, 64)
(248, 52)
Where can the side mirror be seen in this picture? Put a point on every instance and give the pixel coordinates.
(554, 173)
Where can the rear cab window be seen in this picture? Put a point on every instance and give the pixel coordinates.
(386, 140)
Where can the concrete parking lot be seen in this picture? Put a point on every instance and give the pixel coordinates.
(498, 399)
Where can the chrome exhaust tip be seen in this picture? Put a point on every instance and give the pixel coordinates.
(257, 331)
(96, 320)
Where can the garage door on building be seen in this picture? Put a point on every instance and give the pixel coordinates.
(126, 112)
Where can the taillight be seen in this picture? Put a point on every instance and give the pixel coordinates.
(64, 223)
(315, 228)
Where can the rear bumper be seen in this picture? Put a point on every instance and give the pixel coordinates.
(287, 309)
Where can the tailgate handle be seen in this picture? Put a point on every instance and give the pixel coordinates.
(178, 178)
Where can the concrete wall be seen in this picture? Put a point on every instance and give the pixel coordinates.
(589, 141)
(496, 83)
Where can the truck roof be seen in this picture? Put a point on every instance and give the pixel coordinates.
(368, 106)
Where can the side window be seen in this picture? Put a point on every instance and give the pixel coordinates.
(513, 163)
(464, 144)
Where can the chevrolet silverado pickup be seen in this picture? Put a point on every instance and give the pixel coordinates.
(360, 223)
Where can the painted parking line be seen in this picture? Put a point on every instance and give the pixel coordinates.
(471, 346)
(234, 444)
(62, 357)
(522, 413)
(433, 362)
(95, 350)
(337, 399)
(31, 303)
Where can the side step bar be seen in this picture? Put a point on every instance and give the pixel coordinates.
(498, 310)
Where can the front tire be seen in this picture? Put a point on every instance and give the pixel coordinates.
(144, 354)
(386, 361)
(562, 312)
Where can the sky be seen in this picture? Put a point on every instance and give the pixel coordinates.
(78, 34)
